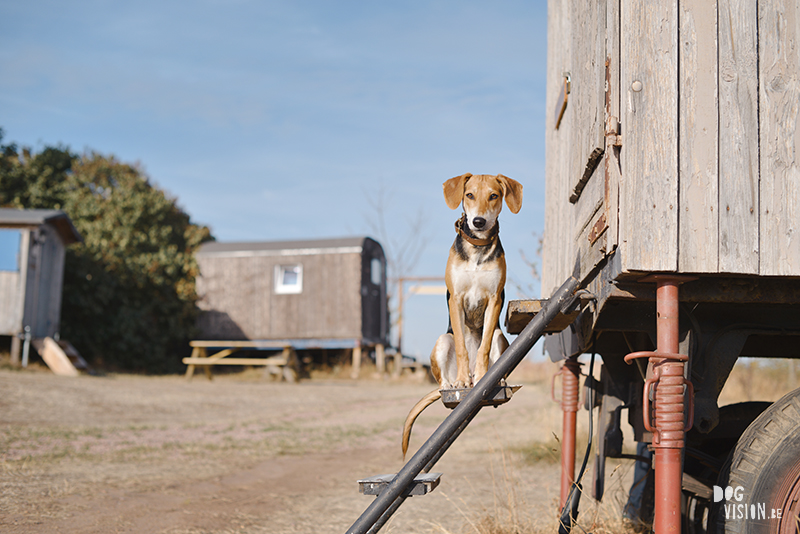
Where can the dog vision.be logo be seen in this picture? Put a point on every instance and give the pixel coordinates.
(736, 509)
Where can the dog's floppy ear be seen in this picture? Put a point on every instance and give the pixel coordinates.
(454, 190)
(512, 192)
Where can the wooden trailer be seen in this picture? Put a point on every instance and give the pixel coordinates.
(673, 178)
(298, 295)
(32, 249)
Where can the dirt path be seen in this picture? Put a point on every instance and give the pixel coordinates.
(243, 454)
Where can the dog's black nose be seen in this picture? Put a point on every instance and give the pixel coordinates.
(479, 222)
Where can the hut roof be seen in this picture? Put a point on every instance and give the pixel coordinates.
(18, 218)
(342, 245)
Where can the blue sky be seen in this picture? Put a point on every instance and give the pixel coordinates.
(273, 120)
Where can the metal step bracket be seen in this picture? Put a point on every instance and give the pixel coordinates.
(500, 395)
(423, 484)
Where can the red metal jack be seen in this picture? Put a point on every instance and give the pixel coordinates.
(667, 388)
(570, 371)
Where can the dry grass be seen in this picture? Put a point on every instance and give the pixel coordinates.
(510, 511)
(760, 380)
(163, 431)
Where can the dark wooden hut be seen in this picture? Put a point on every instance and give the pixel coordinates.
(328, 293)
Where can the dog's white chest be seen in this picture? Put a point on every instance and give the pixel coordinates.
(475, 284)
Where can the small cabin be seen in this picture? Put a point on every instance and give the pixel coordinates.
(32, 250)
(328, 293)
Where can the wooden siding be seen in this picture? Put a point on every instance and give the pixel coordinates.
(575, 204)
(649, 188)
(738, 138)
(779, 63)
(237, 296)
(698, 239)
(557, 245)
(709, 107)
(11, 318)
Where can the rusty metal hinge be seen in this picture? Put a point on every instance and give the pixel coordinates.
(613, 137)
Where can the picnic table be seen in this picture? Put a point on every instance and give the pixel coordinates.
(207, 353)
(286, 363)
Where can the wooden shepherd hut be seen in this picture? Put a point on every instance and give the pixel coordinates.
(673, 196)
(32, 250)
(328, 293)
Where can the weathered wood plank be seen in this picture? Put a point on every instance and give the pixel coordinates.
(588, 82)
(612, 102)
(520, 312)
(558, 218)
(11, 318)
(56, 359)
(275, 360)
(587, 74)
(698, 112)
(649, 188)
(738, 208)
(256, 344)
(587, 212)
(779, 63)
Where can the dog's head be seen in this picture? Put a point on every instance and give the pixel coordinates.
(482, 196)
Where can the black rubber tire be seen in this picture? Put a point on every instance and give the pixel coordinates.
(766, 464)
(733, 421)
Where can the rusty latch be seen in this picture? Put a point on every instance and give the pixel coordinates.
(563, 97)
(598, 229)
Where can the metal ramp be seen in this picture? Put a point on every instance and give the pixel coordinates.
(392, 490)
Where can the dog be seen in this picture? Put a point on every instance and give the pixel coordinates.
(475, 277)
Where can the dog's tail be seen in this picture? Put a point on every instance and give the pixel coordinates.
(423, 403)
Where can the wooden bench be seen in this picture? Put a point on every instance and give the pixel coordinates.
(286, 363)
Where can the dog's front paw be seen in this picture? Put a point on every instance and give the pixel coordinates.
(460, 384)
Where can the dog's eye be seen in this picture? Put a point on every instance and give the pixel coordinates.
(470, 196)
(493, 196)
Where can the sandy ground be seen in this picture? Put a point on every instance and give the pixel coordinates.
(241, 453)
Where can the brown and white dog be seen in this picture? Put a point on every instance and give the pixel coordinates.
(475, 277)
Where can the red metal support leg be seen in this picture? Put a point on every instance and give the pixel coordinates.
(570, 372)
(668, 421)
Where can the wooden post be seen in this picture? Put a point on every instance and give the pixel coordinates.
(398, 364)
(380, 359)
(206, 368)
(356, 362)
(190, 367)
(400, 315)
(16, 349)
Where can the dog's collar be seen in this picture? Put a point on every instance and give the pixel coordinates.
(472, 240)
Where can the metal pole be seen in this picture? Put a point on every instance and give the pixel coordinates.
(440, 439)
(571, 370)
(26, 346)
(400, 317)
(669, 412)
(667, 390)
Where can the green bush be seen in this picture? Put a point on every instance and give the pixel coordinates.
(129, 297)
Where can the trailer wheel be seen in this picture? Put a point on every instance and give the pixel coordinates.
(706, 455)
(765, 464)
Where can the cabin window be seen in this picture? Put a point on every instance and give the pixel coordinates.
(375, 271)
(288, 279)
(9, 250)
